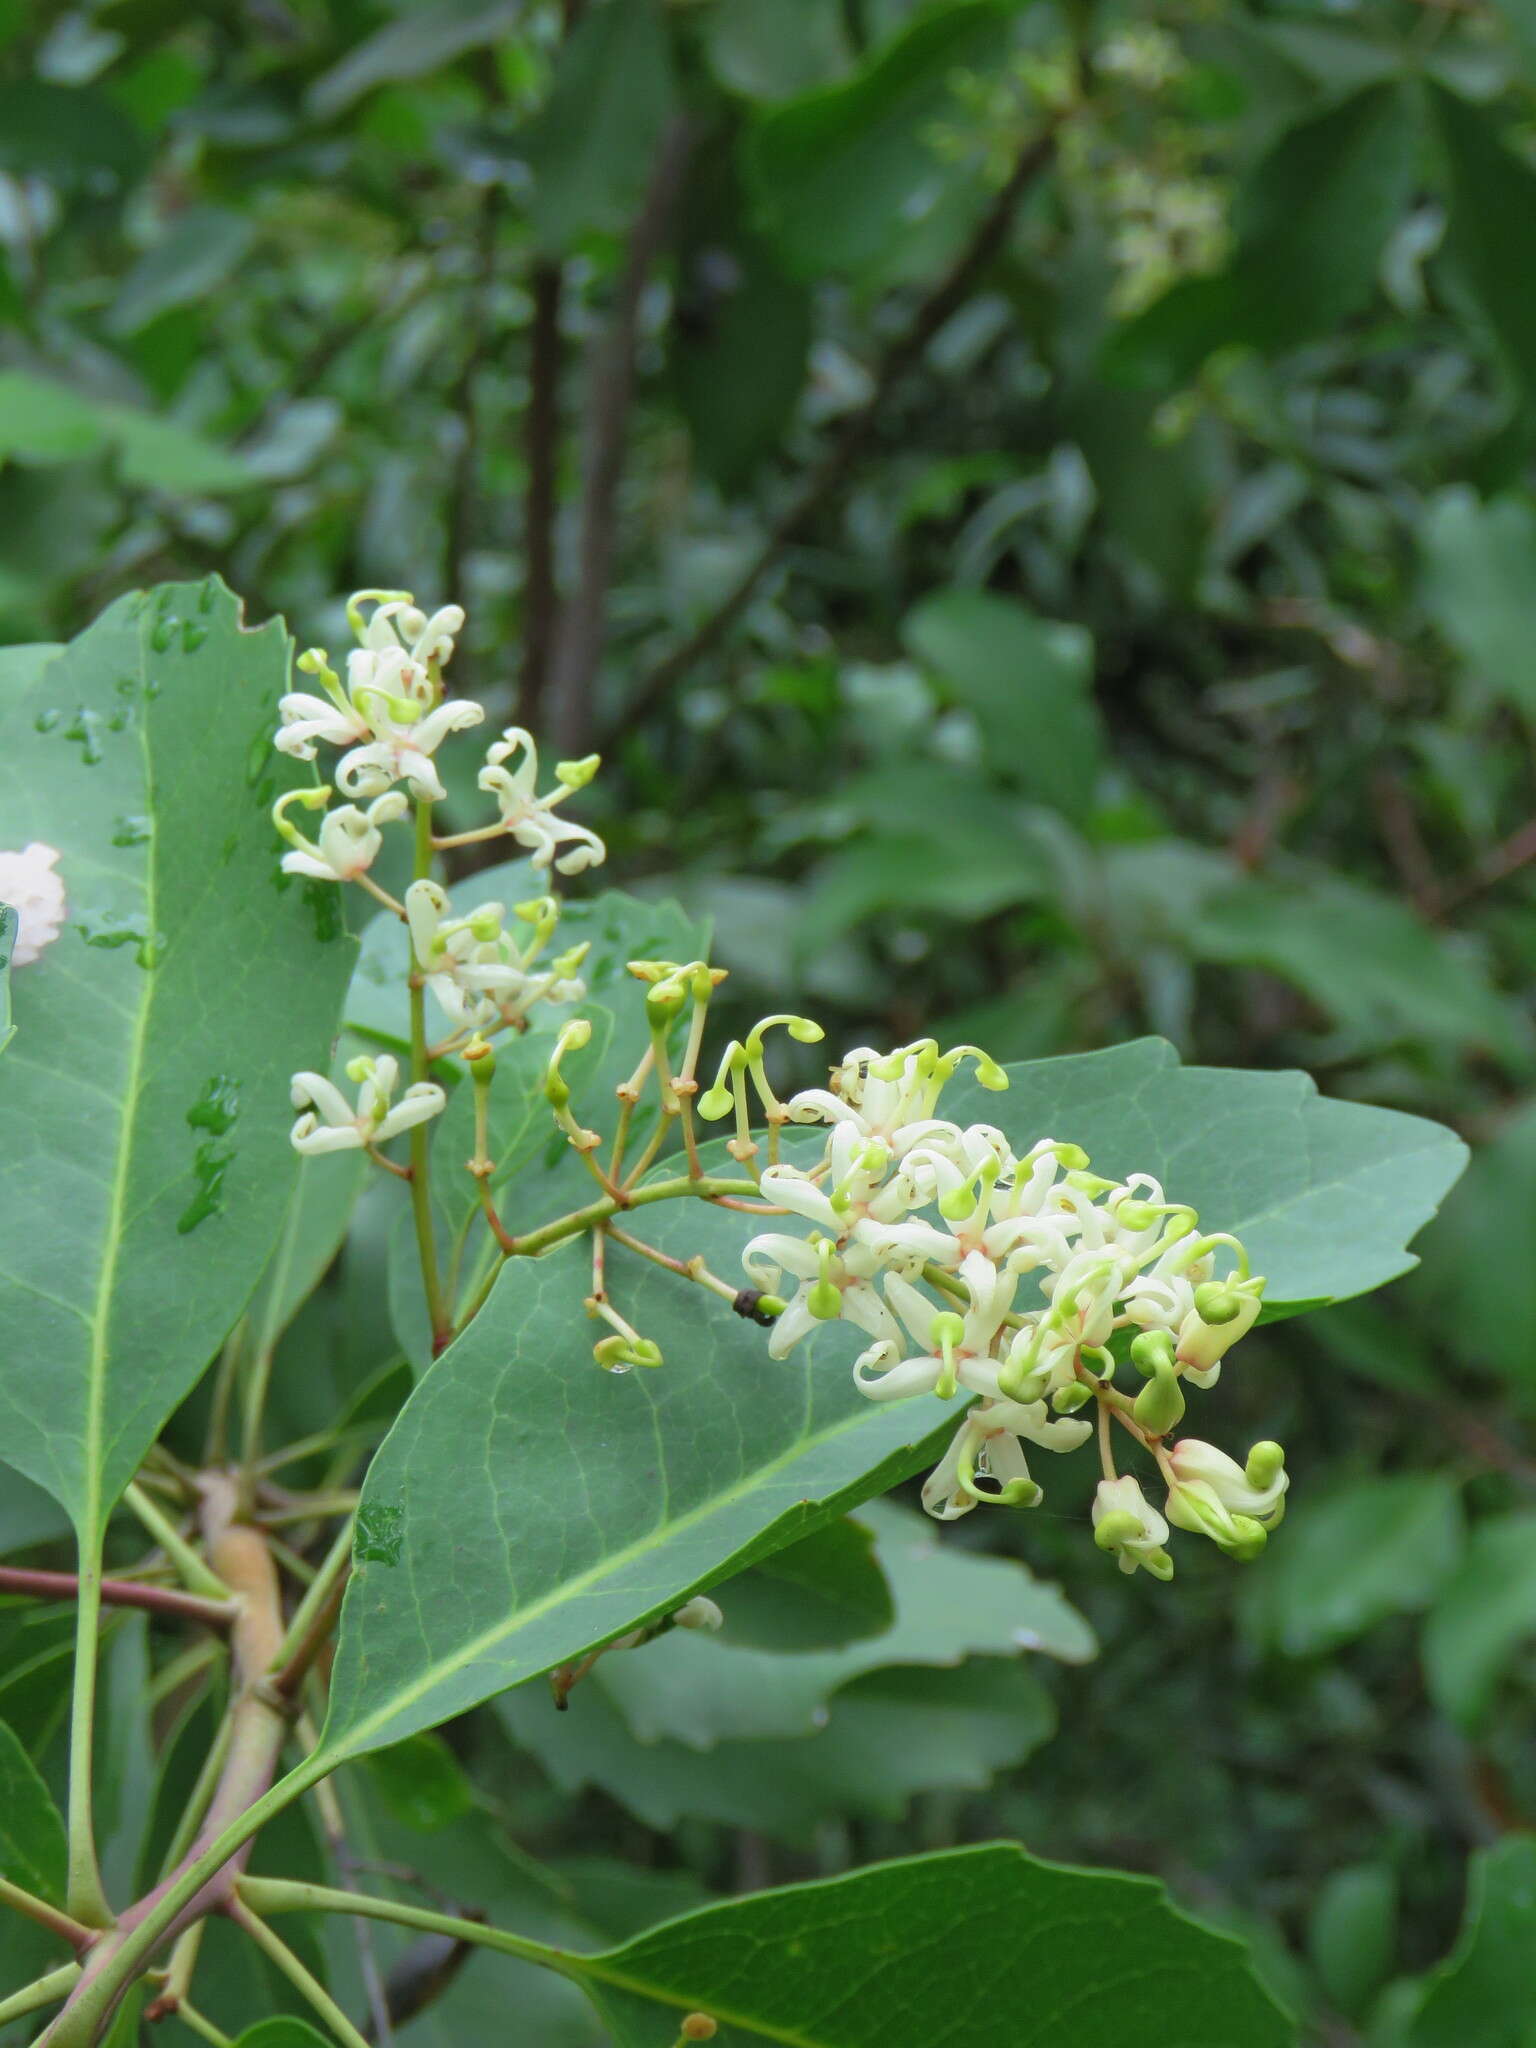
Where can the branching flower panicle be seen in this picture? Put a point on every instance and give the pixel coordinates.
(1025, 1279)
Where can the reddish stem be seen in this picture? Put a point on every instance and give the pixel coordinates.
(119, 1593)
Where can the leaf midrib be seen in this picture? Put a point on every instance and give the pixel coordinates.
(89, 1527)
(572, 1589)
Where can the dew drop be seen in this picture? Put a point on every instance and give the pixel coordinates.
(130, 831)
(111, 930)
(192, 636)
(258, 755)
(217, 1107)
(210, 1163)
(86, 729)
(45, 721)
(127, 686)
(323, 901)
(379, 1534)
(120, 719)
(164, 632)
(205, 595)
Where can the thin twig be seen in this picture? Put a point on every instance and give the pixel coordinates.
(120, 1593)
(610, 392)
(829, 474)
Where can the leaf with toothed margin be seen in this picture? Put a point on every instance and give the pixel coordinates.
(145, 1100)
(1324, 1194)
(984, 1944)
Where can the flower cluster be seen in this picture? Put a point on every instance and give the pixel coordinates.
(485, 969)
(1042, 1280)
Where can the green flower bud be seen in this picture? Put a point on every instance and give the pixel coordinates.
(1266, 1461)
(1135, 1215)
(1067, 1400)
(1160, 1404)
(1151, 1352)
(1216, 1303)
(577, 774)
(825, 1301)
(1073, 1157)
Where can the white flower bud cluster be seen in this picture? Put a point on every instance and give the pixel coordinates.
(391, 716)
(1042, 1278)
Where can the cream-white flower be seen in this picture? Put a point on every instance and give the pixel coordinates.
(388, 714)
(529, 817)
(32, 888)
(331, 1124)
(348, 839)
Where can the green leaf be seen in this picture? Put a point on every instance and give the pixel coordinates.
(194, 257)
(740, 342)
(1352, 1934)
(1377, 1548)
(1468, 1284)
(846, 177)
(281, 2033)
(1479, 572)
(1364, 958)
(76, 136)
(910, 1952)
(1485, 1992)
(1492, 193)
(163, 455)
(1324, 1194)
(420, 1782)
(1029, 682)
(1485, 1612)
(10, 925)
(148, 1164)
(818, 1594)
(44, 422)
(590, 146)
(887, 1736)
(684, 1474)
(699, 1690)
(1311, 224)
(420, 40)
(33, 1852)
(770, 53)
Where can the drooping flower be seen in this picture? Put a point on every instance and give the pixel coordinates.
(1126, 1524)
(32, 888)
(331, 1124)
(529, 817)
(348, 840)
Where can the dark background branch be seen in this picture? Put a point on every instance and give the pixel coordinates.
(826, 478)
(610, 394)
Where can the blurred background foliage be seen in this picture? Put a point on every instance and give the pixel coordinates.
(1034, 504)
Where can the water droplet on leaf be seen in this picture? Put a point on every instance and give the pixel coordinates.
(192, 636)
(380, 1534)
(164, 632)
(86, 729)
(45, 721)
(217, 1107)
(130, 831)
